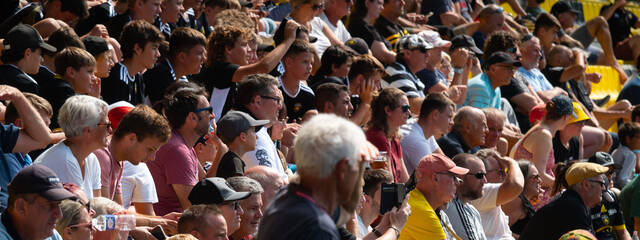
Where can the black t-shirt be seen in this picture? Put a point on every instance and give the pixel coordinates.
(620, 23)
(15, 77)
(573, 87)
(293, 215)
(630, 92)
(218, 77)
(57, 91)
(230, 165)
(562, 154)
(299, 104)
(452, 143)
(30, 14)
(392, 32)
(116, 24)
(428, 77)
(606, 216)
(98, 14)
(558, 217)
(118, 86)
(322, 80)
(437, 7)
(157, 79)
(360, 28)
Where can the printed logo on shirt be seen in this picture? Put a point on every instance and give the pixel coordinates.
(263, 158)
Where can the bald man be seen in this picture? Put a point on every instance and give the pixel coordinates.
(469, 131)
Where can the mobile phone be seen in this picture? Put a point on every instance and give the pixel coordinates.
(392, 195)
(158, 233)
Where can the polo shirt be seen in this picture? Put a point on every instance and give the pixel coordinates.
(465, 220)
(481, 94)
(10, 163)
(452, 143)
(293, 214)
(536, 79)
(563, 214)
(158, 79)
(423, 222)
(391, 31)
(414, 144)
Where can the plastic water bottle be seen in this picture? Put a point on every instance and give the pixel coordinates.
(114, 222)
(635, 235)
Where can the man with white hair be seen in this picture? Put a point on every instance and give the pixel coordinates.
(330, 167)
(86, 125)
(252, 206)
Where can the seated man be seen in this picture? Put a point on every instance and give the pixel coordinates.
(585, 34)
(251, 206)
(364, 80)
(495, 123)
(411, 58)
(370, 202)
(436, 184)
(34, 197)
(218, 192)
(203, 222)
(469, 130)
(483, 89)
(620, 23)
(333, 98)
(531, 56)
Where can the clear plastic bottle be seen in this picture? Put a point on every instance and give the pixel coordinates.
(115, 222)
(635, 235)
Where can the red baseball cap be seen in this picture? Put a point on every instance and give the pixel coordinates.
(436, 162)
(117, 111)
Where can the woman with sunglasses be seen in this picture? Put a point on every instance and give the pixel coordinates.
(520, 209)
(75, 222)
(537, 144)
(305, 12)
(360, 24)
(389, 111)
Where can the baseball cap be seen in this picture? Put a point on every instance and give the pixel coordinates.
(96, 45)
(583, 170)
(39, 179)
(24, 36)
(578, 234)
(412, 42)
(116, 112)
(214, 190)
(578, 114)
(436, 162)
(501, 57)
(563, 104)
(235, 122)
(562, 6)
(433, 37)
(464, 41)
(604, 159)
(537, 113)
(358, 45)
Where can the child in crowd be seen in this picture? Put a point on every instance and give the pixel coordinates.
(625, 156)
(102, 51)
(298, 97)
(238, 131)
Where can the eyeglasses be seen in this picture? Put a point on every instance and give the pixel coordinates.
(105, 124)
(512, 50)
(478, 175)
(317, 7)
(277, 99)
(88, 225)
(453, 176)
(208, 109)
(405, 108)
(602, 183)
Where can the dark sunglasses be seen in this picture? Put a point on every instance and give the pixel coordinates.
(405, 108)
(512, 50)
(602, 183)
(316, 7)
(208, 109)
(479, 175)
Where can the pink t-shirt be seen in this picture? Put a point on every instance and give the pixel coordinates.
(175, 163)
(110, 171)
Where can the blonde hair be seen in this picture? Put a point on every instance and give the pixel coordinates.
(71, 212)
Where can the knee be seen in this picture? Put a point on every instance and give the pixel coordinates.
(601, 22)
(625, 103)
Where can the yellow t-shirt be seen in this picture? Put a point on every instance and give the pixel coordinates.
(423, 223)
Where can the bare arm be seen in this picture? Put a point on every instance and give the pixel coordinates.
(608, 13)
(524, 102)
(576, 69)
(367, 89)
(623, 234)
(380, 51)
(272, 59)
(34, 134)
(330, 35)
(541, 145)
(513, 183)
(515, 5)
(451, 19)
(182, 191)
(144, 208)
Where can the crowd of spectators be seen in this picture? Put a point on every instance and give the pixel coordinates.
(316, 119)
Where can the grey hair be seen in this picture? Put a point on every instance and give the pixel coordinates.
(80, 112)
(325, 140)
(484, 154)
(467, 114)
(104, 206)
(245, 184)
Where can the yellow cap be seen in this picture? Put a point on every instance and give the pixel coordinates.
(583, 170)
(578, 114)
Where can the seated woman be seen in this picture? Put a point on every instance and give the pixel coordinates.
(304, 12)
(360, 24)
(75, 222)
(389, 111)
(537, 145)
(520, 209)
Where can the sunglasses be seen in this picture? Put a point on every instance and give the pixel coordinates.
(602, 183)
(479, 175)
(208, 109)
(405, 108)
(317, 7)
(512, 50)
(277, 99)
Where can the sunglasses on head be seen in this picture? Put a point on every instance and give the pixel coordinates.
(478, 175)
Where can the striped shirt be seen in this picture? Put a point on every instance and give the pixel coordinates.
(399, 77)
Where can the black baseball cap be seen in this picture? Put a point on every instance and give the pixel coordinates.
(562, 6)
(235, 122)
(96, 45)
(24, 36)
(39, 179)
(464, 41)
(358, 45)
(501, 57)
(214, 191)
(604, 159)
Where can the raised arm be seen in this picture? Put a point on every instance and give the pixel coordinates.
(34, 134)
(513, 183)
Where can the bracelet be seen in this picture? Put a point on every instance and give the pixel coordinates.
(377, 233)
(457, 70)
(397, 231)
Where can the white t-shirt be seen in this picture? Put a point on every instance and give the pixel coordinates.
(265, 154)
(414, 144)
(494, 221)
(316, 31)
(340, 31)
(61, 160)
(137, 185)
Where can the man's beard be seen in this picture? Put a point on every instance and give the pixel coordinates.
(471, 194)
